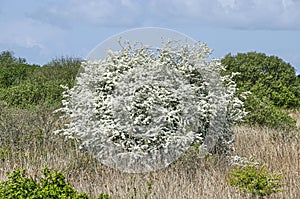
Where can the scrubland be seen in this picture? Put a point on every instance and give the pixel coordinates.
(28, 142)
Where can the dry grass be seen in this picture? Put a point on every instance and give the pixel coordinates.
(189, 178)
(296, 116)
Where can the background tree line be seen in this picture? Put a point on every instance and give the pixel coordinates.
(24, 85)
(273, 83)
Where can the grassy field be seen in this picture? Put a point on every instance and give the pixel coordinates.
(27, 142)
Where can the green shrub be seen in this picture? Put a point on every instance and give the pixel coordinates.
(298, 82)
(51, 185)
(264, 112)
(15, 74)
(264, 75)
(7, 58)
(255, 179)
(272, 82)
(23, 85)
(22, 95)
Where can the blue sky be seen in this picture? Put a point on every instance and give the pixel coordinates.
(40, 30)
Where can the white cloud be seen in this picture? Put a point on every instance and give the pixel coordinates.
(247, 14)
(41, 30)
(92, 12)
(26, 33)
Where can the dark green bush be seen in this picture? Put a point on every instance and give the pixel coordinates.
(273, 84)
(51, 185)
(264, 75)
(264, 112)
(298, 82)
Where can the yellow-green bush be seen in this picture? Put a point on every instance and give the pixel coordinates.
(255, 179)
(50, 185)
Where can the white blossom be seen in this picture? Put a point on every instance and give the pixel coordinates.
(139, 108)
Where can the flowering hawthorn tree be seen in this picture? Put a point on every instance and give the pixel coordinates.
(139, 108)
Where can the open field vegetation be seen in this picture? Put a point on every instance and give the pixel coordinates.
(269, 136)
